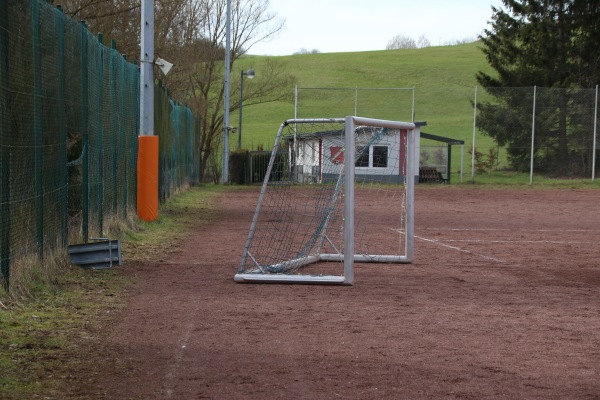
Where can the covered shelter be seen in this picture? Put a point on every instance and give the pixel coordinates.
(435, 162)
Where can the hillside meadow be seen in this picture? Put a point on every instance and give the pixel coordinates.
(367, 83)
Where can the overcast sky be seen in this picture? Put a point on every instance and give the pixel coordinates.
(360, 25)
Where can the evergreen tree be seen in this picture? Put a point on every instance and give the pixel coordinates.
(550, 44)
(585, 52)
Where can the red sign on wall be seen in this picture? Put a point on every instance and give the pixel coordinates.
(337, 154)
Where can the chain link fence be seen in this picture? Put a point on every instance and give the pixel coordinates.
(548, 131)
(69, 120)
(543, 130)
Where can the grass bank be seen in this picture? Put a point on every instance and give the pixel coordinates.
(45, 334)
(443, 78)
(516, 180)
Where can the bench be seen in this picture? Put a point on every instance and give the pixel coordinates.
(431, 175)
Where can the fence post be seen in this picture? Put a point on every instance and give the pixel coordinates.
(37, 126)
(296, 102)
(124, 85)
(196, 153)
(226, 105)
(412, 115)
(5, 110)
(62, 125)
(532, 135)
(100, 139)
(133, 155)
(474, 130)
(594, 141)
(462, 161)
(114, 126)
(85, 104)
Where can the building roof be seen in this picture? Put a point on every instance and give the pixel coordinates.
(322, 134)
(441, 138)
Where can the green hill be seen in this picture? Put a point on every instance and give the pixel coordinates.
(443, 78)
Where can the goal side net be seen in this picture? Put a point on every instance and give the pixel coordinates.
(336, 192)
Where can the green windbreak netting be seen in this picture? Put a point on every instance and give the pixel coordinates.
(69, 121)
(179, 150)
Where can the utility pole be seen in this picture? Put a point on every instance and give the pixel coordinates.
(147, 164)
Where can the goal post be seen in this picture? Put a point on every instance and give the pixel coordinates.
(336, 191)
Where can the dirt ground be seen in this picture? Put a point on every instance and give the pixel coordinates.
(502, 302)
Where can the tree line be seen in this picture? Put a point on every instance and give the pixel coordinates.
(401, 41)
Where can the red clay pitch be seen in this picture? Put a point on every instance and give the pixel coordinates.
(502, 302)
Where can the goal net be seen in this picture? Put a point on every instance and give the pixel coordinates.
(336, 191)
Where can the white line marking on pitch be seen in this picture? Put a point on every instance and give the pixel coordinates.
(178, 355)
(508, 229)
(514, 241)
(459, 249)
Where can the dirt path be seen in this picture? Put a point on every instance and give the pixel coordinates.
(503, 301)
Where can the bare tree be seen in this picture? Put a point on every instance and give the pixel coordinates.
(457, 42)
(423, 42)
(198, 75)
(176, 22)
(401, 42)
(191, 34)
(306, 51)
(115, 19)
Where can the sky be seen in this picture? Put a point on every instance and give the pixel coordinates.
(332, 26)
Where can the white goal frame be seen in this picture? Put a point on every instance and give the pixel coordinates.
(348, 257)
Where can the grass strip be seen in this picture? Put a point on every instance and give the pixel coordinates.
(45, 334)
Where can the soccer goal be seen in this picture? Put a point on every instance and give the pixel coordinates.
(336, 192)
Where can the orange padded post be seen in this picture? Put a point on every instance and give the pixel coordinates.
(147, 176)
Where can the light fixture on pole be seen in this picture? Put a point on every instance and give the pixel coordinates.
(163, 65)
(250, 75)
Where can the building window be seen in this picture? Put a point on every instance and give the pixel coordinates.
(362, 157)
(373, 157)
(380, 156)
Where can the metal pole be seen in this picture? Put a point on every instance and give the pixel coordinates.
(5, 151)
(225, 175)
(462, 161)
(62, 117)
(296, 103)
(148, 146)
(474, 131)
(146, 69)
(413, 105)
(594, 141)
(36, 58)
(241, 103)
(85, 176)
(532, 136)
(356, 101)
(100, 135)
(349, 201)
(410, 193)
